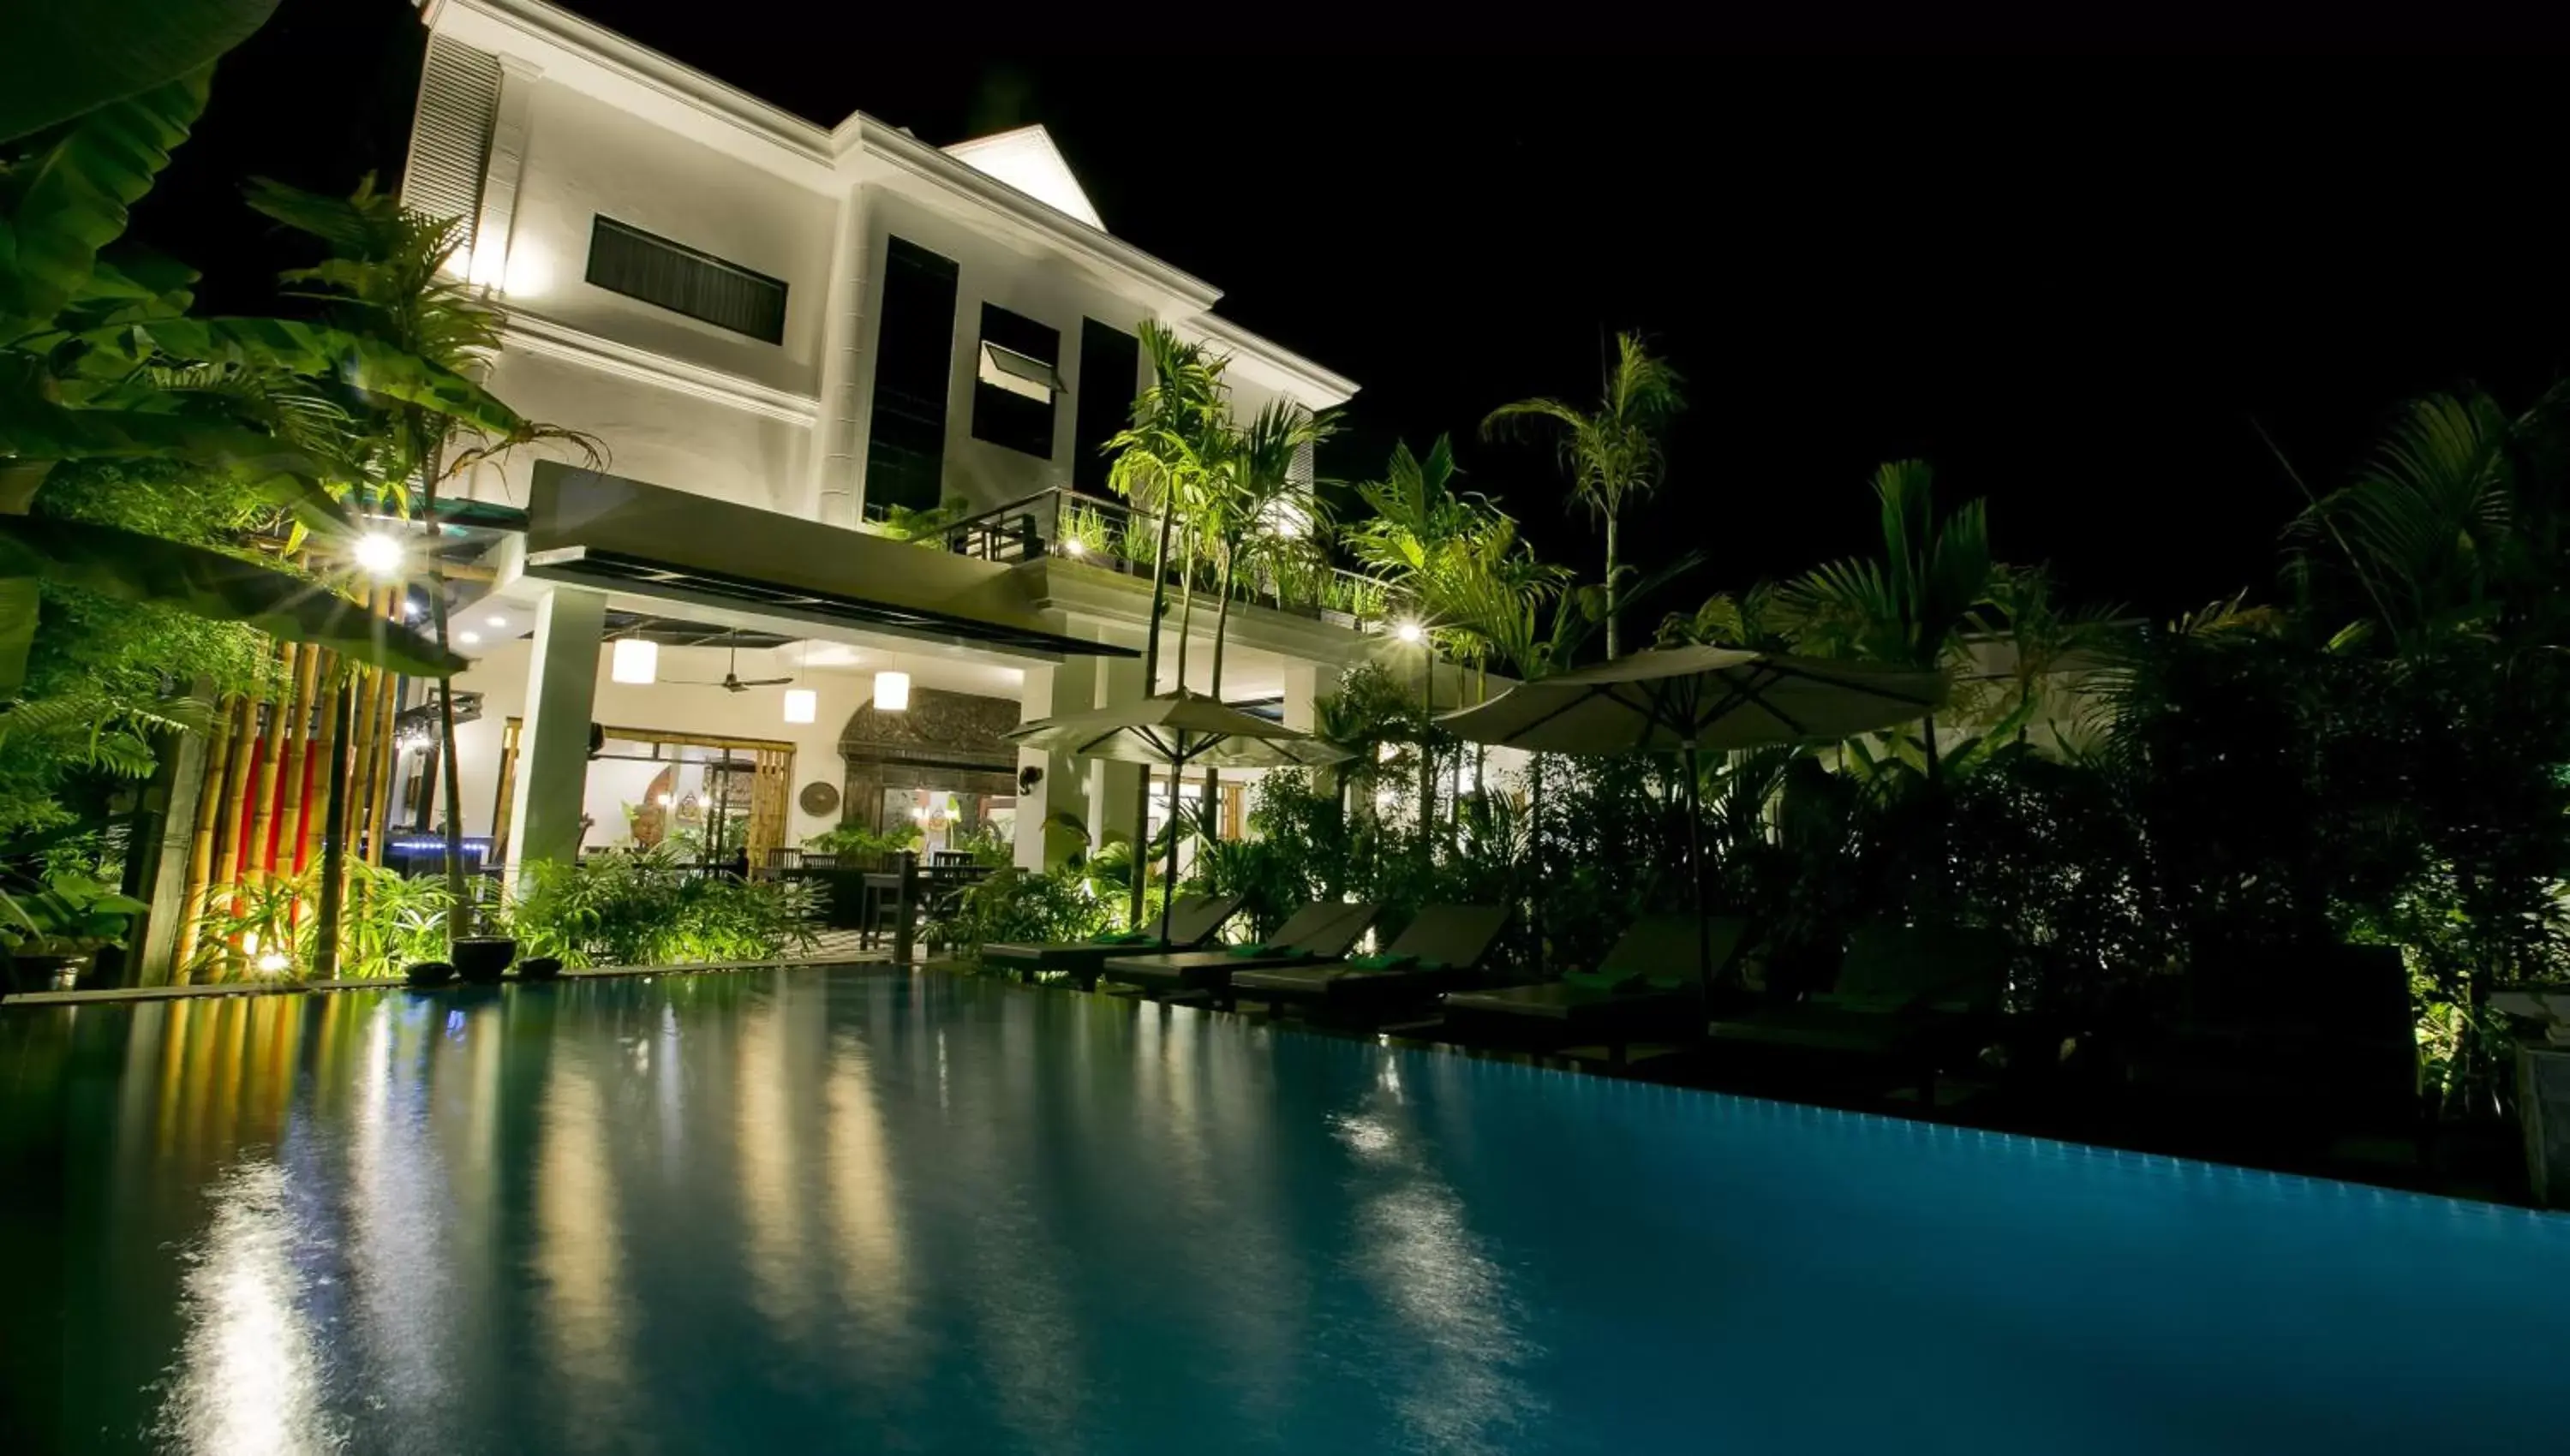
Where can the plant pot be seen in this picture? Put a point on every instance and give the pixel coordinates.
(483, 959)
(429, 973)
(539, 968)
(48, 971)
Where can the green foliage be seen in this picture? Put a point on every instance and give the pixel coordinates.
(63, 909)
(58, 62)
(646, 907)
(927, 527)
(1015, 905)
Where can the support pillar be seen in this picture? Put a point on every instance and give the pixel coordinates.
(553, 741)
(1306, 683)
(1069, 686)
(1113, 787)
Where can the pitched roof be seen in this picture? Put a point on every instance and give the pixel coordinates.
(1027, 158)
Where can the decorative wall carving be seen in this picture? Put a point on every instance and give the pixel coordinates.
(944, 739)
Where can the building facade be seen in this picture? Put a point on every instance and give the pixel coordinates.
(778, 334)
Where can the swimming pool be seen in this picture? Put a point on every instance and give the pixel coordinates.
(862, 1211)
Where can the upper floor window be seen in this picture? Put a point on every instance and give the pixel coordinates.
(628, 260)
(914, 348)
(1014, 382)
(1111, 369)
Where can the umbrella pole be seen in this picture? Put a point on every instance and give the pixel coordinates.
(1695, 873)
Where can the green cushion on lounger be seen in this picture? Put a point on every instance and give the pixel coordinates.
(1425, 963)
(1382, 962)
(1254, 948)
(1125, 938)
(1600, 980)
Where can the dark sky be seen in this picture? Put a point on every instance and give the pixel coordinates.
(2073, 285)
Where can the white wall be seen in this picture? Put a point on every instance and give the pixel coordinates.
(584, 158)
(501, 676)
(648, 432)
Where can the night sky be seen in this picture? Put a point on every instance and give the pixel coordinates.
(2078, 288)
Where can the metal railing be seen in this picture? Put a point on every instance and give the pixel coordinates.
(1110, 536)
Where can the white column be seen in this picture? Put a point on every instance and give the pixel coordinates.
(511, 125)
(836, 460)
(1112, 785)
(552, 739)
(1306, 683)
(1068, 686)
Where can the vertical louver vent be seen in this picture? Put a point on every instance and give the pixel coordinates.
(450, 134)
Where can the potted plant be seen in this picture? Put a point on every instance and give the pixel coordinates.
(484, 958)
(56, 925)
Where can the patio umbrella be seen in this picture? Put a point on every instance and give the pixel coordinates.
(1177, 729)
(1685, 699)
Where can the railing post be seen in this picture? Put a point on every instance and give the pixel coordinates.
(905, 906)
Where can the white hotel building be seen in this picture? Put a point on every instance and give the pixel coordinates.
(778, 331)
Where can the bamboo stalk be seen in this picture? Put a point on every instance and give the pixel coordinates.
(220, 749)
(351, 804)
(320, 796)
(262, 801)
(276, 847)
(379, 796)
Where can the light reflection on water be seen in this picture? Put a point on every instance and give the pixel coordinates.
(867, 1212)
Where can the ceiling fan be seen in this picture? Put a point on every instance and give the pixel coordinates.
(733, 681)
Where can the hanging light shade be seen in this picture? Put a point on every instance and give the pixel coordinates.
(636, 660)
(892, 691)
(802, 705)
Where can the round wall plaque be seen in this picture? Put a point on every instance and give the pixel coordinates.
(818, 797)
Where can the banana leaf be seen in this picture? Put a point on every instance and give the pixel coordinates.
(131, 567)
(61, 206)
(60, 60)
(34, 429)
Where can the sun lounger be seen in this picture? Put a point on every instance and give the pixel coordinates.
(1446, 944)
(1320, 931)
(1645, 986)
(1907, 999)
(1193, 921)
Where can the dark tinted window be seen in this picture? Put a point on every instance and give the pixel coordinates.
(1110, 365)
(1016, 383)
(628, 260)
(914, 344)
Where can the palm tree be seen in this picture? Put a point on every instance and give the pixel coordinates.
(1914, 605)
(1615, 454)
(1258, 513)
(1160, 459)
(386, 280)
(2454, 522)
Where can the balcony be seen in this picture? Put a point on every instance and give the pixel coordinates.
(1110, 535)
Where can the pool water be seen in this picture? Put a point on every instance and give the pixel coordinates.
(862, 1211)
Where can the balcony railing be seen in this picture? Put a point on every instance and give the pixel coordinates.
(1113, 536)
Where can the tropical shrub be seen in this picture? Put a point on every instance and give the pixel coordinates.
(1015, 905)
(647, 908)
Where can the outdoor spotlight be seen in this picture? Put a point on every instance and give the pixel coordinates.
(273, 961)
(892, 692)
(637, 659)
(1027, 778)
(1409, 631)
(1073, 547)
(378, 555)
